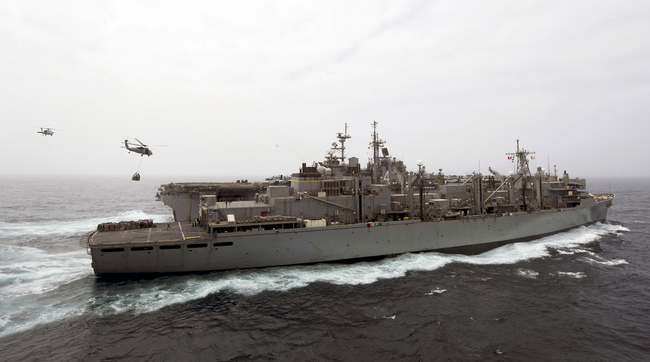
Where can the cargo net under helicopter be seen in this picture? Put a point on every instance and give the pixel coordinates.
(141, 149)
(136, 175)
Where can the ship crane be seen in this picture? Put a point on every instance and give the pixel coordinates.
(417, 180)
(496, 174)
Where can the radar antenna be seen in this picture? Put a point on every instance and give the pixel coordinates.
(522, 160)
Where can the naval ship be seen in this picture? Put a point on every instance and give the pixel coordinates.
(337, 210)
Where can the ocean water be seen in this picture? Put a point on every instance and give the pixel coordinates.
(579, 295)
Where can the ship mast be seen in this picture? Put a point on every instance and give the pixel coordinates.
(376, 143)
(522, 160)
(333, 160)
(342, 138)
(522, 169)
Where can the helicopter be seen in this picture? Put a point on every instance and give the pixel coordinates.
(139, 147)
(46, 131)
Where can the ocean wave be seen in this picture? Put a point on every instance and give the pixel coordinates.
(30, 285)
(601, 261)
(527, 273)
(436, 291)
(577, 275)
(72, 227)
(42, 273)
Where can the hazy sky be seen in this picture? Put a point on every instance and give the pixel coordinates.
(241, 89)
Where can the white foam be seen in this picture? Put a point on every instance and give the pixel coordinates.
(30, 282)
(577, 275)
(4, 319)
(566, 251)
(527, 273)
(41, 272)
(436, 291)
(602, 261)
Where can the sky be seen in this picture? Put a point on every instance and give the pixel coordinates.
(226, 90)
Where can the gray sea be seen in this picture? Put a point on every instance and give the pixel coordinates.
(582, 295)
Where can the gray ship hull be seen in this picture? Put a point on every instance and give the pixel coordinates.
(181, 247)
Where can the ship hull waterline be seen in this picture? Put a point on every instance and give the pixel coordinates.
(197, 251)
